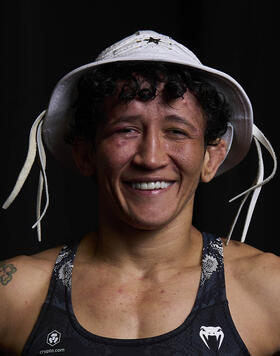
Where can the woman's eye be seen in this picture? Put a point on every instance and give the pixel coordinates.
(127, 131)
(177, 132)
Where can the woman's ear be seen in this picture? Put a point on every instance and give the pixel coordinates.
(84, 157)
(213, 158)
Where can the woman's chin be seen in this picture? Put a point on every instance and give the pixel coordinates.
(148, 224)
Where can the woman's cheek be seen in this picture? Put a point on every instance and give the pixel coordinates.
(188, 156)
(116, 151)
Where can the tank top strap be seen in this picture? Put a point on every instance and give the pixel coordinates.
(62, 276)
(212, 283)
(55, 303)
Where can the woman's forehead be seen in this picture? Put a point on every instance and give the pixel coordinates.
(184, 108)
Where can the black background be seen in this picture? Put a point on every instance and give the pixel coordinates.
(43, 40)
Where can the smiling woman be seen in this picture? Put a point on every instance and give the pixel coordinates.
(149, 122)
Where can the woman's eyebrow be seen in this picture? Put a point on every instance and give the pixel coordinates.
(129, 118)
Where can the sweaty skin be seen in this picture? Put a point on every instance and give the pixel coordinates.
(147, 260)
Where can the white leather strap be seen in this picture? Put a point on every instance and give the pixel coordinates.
(259, 182)
(35, 142)
(42, 182)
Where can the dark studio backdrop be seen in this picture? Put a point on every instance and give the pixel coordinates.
(43, 40)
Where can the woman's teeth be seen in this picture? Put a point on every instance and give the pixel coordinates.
(150, 185)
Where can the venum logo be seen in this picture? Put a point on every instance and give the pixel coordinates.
(53, 338)
(207, 332)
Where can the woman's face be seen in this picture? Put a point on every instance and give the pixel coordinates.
(148, 160)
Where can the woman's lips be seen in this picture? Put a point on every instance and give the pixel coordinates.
(149, 187)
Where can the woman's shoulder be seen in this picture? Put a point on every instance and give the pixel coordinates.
(24, 282)
(256, 272)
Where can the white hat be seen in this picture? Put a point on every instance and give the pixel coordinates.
(145, 46)
(151, 46)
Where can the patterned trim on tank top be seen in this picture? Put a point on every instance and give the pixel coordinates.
(64, 265)
(212, 259)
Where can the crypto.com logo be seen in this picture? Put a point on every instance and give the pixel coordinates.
(53, 338)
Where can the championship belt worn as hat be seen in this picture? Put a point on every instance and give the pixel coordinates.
(50, 127)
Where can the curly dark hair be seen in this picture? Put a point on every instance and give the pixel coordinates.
(103, 82)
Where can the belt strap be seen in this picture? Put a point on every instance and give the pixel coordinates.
(258, 183)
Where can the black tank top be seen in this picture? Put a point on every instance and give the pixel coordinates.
(208, 330)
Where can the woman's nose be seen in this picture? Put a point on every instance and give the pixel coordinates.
(151, 151)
